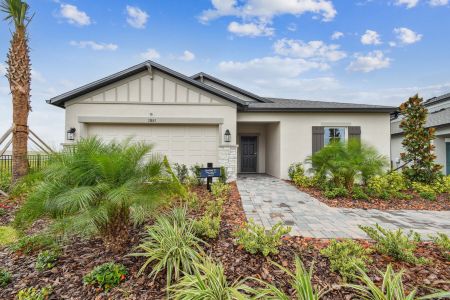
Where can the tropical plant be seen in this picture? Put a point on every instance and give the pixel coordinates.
(170, 245)
(346, 162)
(346, 257)
(33, 293)
(100, 188)
(181, 171)
(417, 142)
(300, 281)
(106, 276)
(207, 282)
(443, 242)
(19, 76)
(255, 239)
(5, 277)
(46, 260)
(394, 243)
(391, 288)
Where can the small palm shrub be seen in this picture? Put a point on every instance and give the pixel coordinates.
(346, 162)
(347, 257)
(170, 245)
(443, 242)
(46, 260)
(394, 243)
(391, 288)
(33, 293)
(181, 171)
(100, 188)
(5, 277)
(255, 239)
(106, 276)
(207, 282)
(300, 282)
(33, 243)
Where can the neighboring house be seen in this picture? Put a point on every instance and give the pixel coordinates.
(439, 118)
(201, 119)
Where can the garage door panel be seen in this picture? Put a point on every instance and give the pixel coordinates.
(188, 144)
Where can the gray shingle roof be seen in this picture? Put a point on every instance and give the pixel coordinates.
(438, 99)
(280, 104)
(435, 119)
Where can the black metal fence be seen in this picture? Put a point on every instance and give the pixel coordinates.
(35, 162)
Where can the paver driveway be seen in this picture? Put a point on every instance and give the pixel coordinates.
(269, 200)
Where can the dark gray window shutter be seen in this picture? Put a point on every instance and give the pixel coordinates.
(354, 132)
(317, 138)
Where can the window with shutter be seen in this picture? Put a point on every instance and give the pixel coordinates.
(317, 138)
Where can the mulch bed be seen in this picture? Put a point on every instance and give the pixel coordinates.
(80, 256)
(442, 201)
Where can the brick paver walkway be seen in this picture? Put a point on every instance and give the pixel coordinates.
(269, 200)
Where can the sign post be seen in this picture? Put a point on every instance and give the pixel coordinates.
(209, 172)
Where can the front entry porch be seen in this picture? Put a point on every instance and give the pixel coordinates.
(259, 148)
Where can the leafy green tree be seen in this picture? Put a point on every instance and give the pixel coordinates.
(417, 142)
(99, 188)
(344, 162)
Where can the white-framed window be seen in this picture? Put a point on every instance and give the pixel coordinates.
(334, 134)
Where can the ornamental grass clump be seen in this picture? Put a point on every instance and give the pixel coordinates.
(256, 239)
(396, 244)
(346, 257)
(443, 242)
(100, 188)
(106, 276)
(207, 282)
(171, 246)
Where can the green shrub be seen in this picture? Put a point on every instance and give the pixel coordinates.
(388, 185)
(170, 245)
(394, 243)
(214, 207)
(223, 175)
(5, 180)
(427, 191)
(443, 242)
(300, 282)
(390, 289)
(8, 235)
(358, 193)
(220, 190)
(2, 211)
(346, 257)
(34, 293)
(302, 181)
(207, 226)
(33, 243)
(195, 179)
(345, 162)
(336, 192)
(255, 239)
(106, 276)
(428, 195)
(191, 200)
(181, 171)
(207, 282)
(5, 277)
(46, 260)
(100, 188)
(295, 169)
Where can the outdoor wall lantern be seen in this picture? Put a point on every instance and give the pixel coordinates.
(227, 136)
(71, 134)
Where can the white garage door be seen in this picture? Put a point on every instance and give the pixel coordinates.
(187, 144)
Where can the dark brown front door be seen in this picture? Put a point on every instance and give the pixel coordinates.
(249, 154)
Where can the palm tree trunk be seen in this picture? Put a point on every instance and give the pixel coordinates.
(19, 76)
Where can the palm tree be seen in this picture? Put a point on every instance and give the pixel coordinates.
(19, 77)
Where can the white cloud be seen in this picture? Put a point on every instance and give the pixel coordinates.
(2, 69)
(35, 75)
(337, 35)
(74, 16)
(316, 50)
(374, 60)
(150, 54)
(94, 45)
(407, 3)
(187, 56)
(292, 27)
(370, 38)
(438, 2)
(270, 67)
(407, 36)
(136, 17)
(250, 29)
(266, 10)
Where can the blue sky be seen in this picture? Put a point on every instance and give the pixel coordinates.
(368, 51)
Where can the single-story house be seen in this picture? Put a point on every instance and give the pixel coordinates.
(439, 118)
(201, 119)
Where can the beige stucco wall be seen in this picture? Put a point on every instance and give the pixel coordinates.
(295, 132)
(273, 154)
